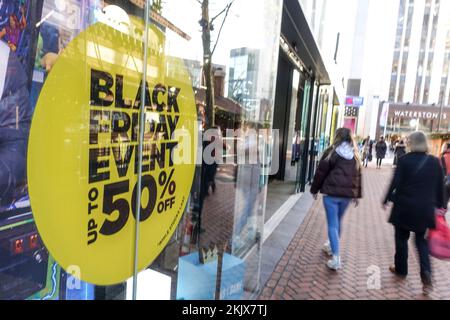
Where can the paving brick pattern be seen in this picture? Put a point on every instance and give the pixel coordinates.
(367, 249)
(218, 215)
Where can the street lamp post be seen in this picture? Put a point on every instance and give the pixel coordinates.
(440, 116)
(387, 118)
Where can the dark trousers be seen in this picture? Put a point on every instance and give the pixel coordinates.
(366, 159)
(379, 160)
(401, 252)
(446, 196)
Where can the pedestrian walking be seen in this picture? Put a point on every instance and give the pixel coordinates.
(445, 160)
(399, 151)
(338, 178)
(416, 191)
(380, 149)
(367, 151)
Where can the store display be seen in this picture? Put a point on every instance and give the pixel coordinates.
(27, 271)
(197, 281)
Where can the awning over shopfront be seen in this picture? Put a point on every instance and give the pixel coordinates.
(296, 30)
(222, 103)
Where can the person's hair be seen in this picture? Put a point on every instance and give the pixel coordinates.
(445, 147)
(345, 135)
(342, 135)
(418, 142)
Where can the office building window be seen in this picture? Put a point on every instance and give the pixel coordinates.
(423, 43)
(431, 46)
(396, 58)
(445, 71)
(406, 50)
(401, 88)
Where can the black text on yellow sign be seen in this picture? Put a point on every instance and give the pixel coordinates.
(108, 116)
(83, 154)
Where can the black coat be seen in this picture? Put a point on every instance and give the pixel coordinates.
(337, 177)
(416, 192)
(400, 150)
(380, 149)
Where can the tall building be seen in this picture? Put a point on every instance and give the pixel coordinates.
(421, 56)
(404, 66)
(243, 78)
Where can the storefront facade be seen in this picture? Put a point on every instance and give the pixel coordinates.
(81, 133)
(113, 187)
(304, 103)
(398, 120)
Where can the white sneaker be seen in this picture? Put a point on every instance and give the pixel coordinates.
(335, 263)
(327, 249)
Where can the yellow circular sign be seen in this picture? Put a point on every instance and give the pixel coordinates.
(84, 149)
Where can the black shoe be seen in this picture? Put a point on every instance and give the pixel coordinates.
(400, 275)
(427, 284)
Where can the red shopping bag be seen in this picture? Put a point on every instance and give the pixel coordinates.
(439, 238)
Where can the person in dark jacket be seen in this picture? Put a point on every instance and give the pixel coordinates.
(416, 191)
(338, 178)
(445, 159)
(380, 150)
(367, 151)
(15, 120)
(399, 151)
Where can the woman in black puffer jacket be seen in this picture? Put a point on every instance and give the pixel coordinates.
(338, 177)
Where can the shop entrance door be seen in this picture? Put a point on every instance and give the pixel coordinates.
(288, 106)
(301, 132)
(283, 100)
(350, 123)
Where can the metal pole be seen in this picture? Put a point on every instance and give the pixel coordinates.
(386, 123)
(141, 147)
(440, 116)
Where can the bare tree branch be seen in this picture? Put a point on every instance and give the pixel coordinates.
(227, 10)
(219, 14)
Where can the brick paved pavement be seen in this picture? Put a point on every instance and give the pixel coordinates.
(367, 242)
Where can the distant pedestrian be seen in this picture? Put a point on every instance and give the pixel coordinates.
(445, 159)
(399, 151)
(416, 191)
(338, 178)
(380, 149)
(367, 151)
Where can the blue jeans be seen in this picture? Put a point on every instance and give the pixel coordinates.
(335, 208)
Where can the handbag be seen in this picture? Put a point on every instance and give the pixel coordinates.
(439, 238)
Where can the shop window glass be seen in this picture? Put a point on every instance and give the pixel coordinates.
(42, 42)
(72, 141)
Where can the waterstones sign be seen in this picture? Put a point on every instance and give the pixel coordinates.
(428, 115)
